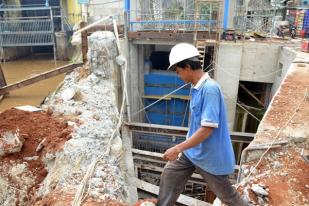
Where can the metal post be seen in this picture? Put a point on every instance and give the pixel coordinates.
(61, 13)
(84, 41)
(226, 14)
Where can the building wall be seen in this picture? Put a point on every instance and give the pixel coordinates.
(74, 11)
(286, 57)
(259, 62)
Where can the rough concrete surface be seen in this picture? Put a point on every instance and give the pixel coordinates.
(86, 106)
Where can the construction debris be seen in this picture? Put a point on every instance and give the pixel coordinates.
(55, 157)
(22, 172)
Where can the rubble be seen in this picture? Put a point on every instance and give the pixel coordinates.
(22, 172)
(55, 156)
(96, 114)
(10, 142)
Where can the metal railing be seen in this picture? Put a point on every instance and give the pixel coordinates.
(26, 33)
(27, 26)
(172, 20)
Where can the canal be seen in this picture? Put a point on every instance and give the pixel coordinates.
(24, 68)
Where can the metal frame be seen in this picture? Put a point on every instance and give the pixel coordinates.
(255, 15)
(34, 29)
(188, 15)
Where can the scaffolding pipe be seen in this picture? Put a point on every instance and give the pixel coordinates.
(127, 5)
(92, 25)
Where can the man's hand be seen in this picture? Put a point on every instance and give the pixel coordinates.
(172, 153)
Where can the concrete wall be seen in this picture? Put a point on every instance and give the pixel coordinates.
(227, 72)
(259, 62)
(286, 57)
(248, 61)
(135, 82)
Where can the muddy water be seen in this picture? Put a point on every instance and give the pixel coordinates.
(33, 94)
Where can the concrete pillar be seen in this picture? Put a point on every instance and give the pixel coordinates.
(61, 45)
(134, 81)
(227, 75)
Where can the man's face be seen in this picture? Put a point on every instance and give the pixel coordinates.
(184, 74)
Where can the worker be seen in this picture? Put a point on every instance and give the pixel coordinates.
(207, 148)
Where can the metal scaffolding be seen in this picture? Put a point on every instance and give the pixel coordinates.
(175, 15)
(27, 26)
(256, 15)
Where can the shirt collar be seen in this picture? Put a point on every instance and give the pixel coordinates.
(201, 81)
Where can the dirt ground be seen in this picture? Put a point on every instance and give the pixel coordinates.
(33, 128)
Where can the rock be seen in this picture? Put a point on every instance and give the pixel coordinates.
(68, 94)
(31, 158)
(259, 190)
(18, 169)
(260, 201)
(284, 174)
(10, 143)
(147, 203)
(277, 165)
(246, 172)
(245, 194)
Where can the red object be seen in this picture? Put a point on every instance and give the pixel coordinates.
(302, 33)
(305, 46)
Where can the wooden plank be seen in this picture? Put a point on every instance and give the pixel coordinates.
(2, 78)
(251, 94)
(39, 77)
(147, 153)
(2, 81)
(160, 169)
(157, 155)
(183, 199)
(84, 37)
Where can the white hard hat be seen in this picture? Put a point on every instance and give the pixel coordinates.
(181, 52)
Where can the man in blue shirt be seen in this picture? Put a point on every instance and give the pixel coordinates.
(208, 148)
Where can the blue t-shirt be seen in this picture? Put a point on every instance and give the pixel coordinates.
(215, 154)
